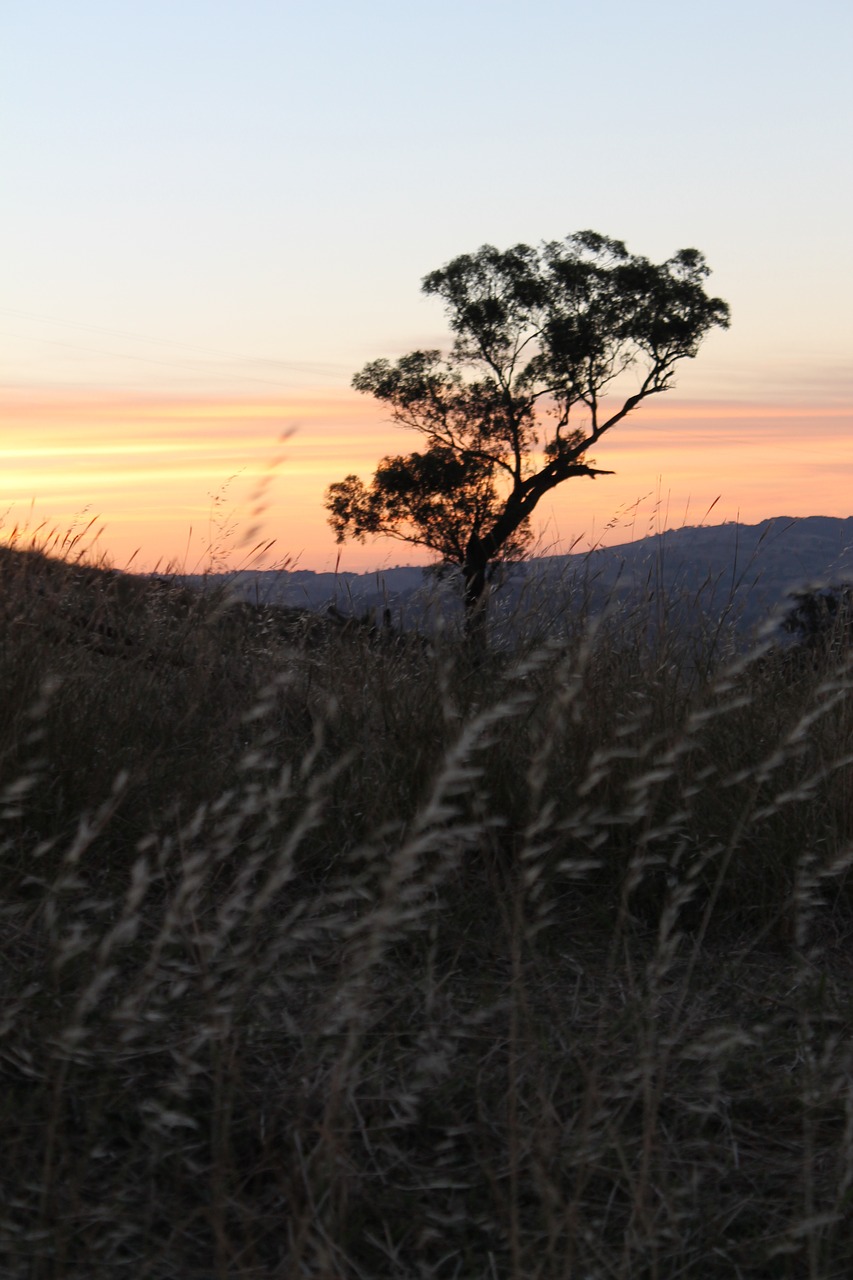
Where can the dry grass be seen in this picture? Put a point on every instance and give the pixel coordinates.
(331, 957)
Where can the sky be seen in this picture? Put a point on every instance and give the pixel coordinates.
(214, 213)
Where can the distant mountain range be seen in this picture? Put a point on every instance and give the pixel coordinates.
(744, 571)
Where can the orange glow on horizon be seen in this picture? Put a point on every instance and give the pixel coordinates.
(154, 467)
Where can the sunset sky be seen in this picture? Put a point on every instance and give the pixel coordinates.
(214, 213)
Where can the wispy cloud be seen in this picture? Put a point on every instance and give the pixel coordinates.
(152, 465)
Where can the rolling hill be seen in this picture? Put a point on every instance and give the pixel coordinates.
(745, 571)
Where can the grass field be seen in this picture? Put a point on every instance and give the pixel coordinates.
(333, 953)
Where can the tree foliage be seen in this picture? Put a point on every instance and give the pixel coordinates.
(821, 618)
(545, 341)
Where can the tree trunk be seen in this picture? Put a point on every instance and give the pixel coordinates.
(476, 597)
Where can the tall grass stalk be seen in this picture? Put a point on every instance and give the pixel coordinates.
(328, 953)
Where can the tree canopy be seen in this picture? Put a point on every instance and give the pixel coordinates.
(545, 341)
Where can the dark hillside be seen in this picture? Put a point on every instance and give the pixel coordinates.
(331, 952)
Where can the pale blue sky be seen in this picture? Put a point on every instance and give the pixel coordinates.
(235, 203)
(271, 180)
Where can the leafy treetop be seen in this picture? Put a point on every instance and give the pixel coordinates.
(543, 339)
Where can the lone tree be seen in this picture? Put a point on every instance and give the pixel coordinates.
(542, 337)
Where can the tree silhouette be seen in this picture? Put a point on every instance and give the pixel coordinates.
(821, 619)
(543, 340)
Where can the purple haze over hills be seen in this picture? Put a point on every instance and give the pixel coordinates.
(747, 569)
